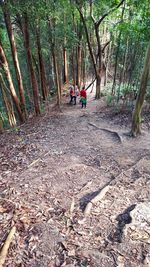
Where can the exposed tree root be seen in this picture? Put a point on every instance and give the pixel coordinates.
(96, 199)
(108, 131)
(103, 192)
(4, 251)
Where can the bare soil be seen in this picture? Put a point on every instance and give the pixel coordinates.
(52, 167)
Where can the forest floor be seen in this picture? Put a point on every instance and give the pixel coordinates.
(51, 169)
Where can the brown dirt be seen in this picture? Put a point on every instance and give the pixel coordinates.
(60, 162)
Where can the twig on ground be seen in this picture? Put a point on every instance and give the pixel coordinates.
(37, 160)
(72, 206)
(96, 199)
(4, 251)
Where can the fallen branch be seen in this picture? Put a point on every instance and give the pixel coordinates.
(90, 84)
(4, 251)
(108, 131)
(96, 199)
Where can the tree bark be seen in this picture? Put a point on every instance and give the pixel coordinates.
(99, 64)
(51, 72)
(116, 65)
(96, 70)
(56, 78)
(42, 68)
(30, 65)
(83, 64)
(1, 124)
(136, 120)
(98, 86)
(15, 58)
(79, 56)
(107, 64)
(55, 64)
(74, 65)
(4, 65)
(8, 103)
(79, 60)
(66, 78)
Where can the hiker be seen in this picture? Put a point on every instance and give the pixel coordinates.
(83, 97)
(71, 93)
(74, 92)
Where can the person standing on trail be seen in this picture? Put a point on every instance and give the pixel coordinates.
(71, 93)
(74, 92)
(83, 96)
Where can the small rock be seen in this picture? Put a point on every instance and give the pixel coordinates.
(71, 252)
(1, 217)
(147, 261)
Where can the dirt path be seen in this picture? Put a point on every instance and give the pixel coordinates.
(60, 162)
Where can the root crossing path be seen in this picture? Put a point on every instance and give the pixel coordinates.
(52, 169)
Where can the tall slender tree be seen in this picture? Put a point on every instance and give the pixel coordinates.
(15, 56)
(25, 29)
(41, 65)
(136, 121)
(5, 67)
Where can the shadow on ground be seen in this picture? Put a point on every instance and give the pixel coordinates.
(123, 219)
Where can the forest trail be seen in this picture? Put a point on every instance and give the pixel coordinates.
(52, 167)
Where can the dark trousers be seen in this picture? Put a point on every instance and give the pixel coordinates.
(73, 99)
(83, 105)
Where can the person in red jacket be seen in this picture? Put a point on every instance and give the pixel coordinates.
(83, 96)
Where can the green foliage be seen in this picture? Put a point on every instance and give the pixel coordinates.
(131, 30)
(124, 92)
(111, 100)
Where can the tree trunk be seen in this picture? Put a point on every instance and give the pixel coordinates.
(74, 65)
(96, 62)
(136, 120)
(66, 78)
(125, 62)
(89, 43)
(55, 64)
(99, 63)
(8, 103)
(83, 64)
(116, 65)
(56, 78)
(15, 59)
(4, 64)
(122, 71)
(42, 68)
(98, 86)
(79, 61)
(59, 68)
(30, 66)
(107, 64)
(79, 53)
(51, 72)
(1, 124)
